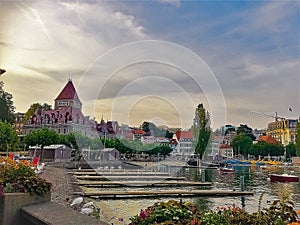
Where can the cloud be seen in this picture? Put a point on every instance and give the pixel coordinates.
(171, 2)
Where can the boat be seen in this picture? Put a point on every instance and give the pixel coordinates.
(227, 169)
(283, 178)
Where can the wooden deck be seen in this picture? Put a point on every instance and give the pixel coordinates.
(178, 193)
(110, 177)
(141, 183)
(120, 173)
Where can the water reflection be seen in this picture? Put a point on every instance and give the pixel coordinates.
(256, 180)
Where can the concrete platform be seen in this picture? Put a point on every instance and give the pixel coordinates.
(50, 213)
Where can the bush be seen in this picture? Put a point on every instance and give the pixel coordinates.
(281, 212)
(19, 176)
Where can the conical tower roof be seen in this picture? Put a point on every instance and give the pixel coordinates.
(68, 92)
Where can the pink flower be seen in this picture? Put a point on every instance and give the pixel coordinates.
(142, 214)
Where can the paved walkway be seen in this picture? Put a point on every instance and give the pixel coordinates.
(62, 189)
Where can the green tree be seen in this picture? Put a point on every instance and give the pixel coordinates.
(34, 107)
(42, 137)
(241, 144)
(6, 105)
(290, 151)
(8, 137)
(297, 145)
(264, 149)
(244, 129)
(201, 130)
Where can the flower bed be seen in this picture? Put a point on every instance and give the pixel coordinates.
(19, 176)
(281, 212)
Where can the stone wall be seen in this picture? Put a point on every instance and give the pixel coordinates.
(11, 203)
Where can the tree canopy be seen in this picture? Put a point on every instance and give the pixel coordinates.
(6, 105)
(241, 144)
(42, 137)
(8, 137)
(244, 129)
(201, 129)
(264, 149)
(33, 107)
(157, 131)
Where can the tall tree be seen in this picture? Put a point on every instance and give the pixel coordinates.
(8, 137)
(244, 129)
(241, 144)
(34, 107)
(297, 145)
(201, 129)
(42, 137)
(6, 105)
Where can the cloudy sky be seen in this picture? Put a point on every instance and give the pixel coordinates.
(156, 60)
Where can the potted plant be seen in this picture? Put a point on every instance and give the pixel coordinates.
(19, 186)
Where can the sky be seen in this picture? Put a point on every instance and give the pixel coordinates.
(136, 61)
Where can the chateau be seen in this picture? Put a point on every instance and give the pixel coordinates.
(65, 118)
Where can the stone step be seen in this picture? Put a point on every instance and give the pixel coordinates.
(50, 213)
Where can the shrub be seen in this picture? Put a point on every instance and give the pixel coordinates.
(19, 176)
(281, 212)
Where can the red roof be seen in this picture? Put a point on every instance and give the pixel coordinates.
(225, 146)
(267, 139)
(138, 131)
(184, 134)
(68, 93)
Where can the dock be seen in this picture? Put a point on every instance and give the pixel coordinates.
(173, 193)
(141, 183)
(121, 173)
(137, 177)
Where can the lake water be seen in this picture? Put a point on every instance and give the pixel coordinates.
(256, 180)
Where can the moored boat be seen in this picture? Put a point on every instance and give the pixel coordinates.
(283, 178)
(227, 170)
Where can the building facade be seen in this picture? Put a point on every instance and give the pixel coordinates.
(65, 118)
(283, 130)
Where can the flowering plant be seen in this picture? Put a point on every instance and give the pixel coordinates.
(19, 176)
(185, 213)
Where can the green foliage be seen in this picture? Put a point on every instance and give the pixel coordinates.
(36, 185)
(281, 212)
(68, 140)
(290, 151)
(201, 130)
(42, 137)
(297, 145)
(157, 131)
(34, 107)
(20, 177)
(244, 129)
(241, 144)
(8, 137)
(262, 148)
(6, 105)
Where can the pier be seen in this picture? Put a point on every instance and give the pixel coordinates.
(141, 183)
(173, 193)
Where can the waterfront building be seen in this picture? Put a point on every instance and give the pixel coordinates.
(65, 118)
(19, 123)
(185, 141)
(283, 130)
(108, 130)
(57, 153)
(267, 139)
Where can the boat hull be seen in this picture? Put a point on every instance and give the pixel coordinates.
(227, 170)
(283, 178)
